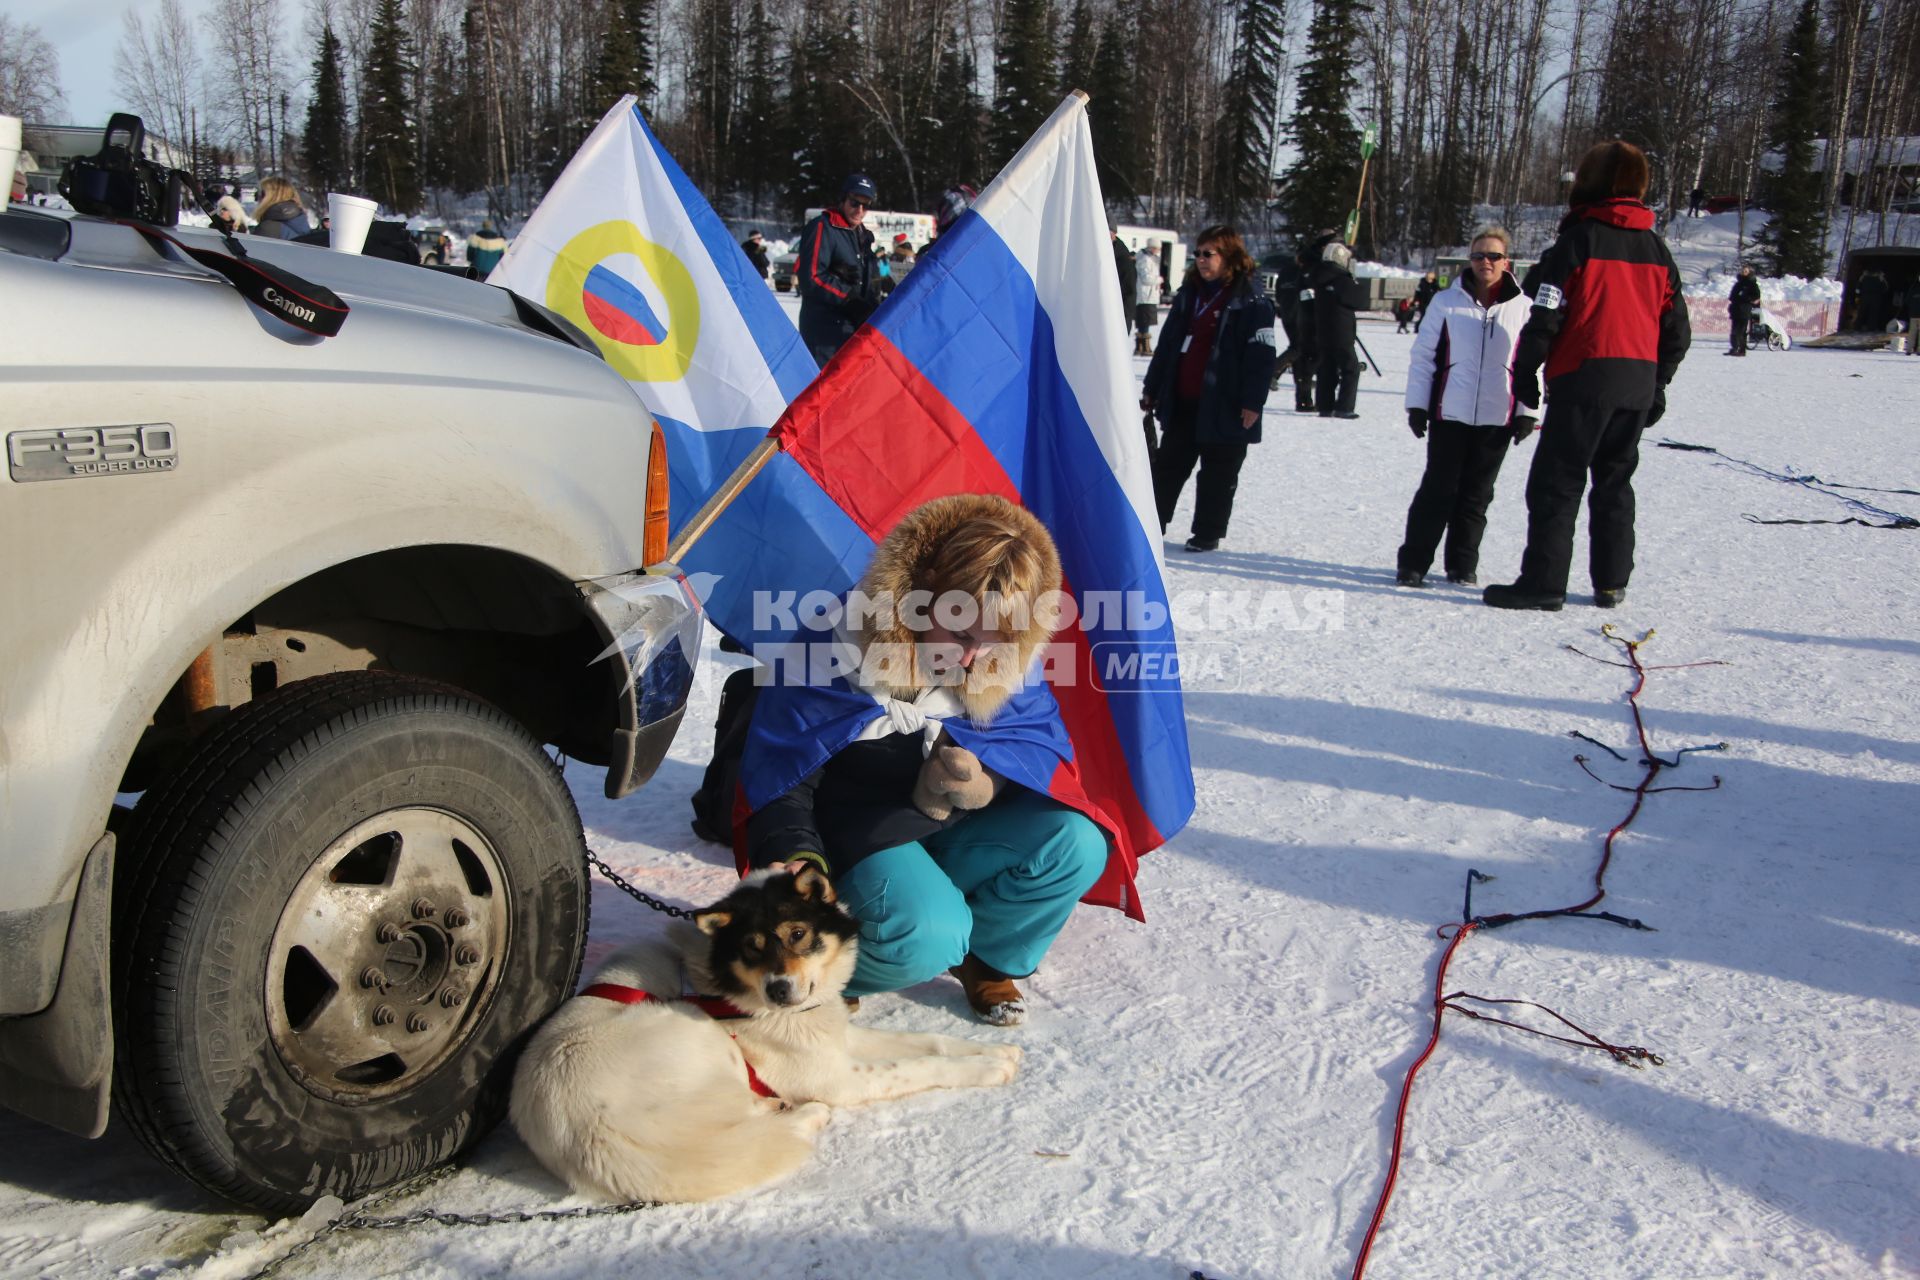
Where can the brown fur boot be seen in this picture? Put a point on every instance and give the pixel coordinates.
(990, 992)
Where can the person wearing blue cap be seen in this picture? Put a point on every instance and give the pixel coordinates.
(839, 286)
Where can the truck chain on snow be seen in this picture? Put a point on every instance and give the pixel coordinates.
(363, 1218)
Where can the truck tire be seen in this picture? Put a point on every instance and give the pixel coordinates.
(346, 910)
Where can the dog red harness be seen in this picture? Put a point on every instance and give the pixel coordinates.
(714, 1007)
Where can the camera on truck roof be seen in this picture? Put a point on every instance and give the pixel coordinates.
(118, 181)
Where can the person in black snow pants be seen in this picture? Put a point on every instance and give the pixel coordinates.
(1460, 400)
(1741, 304)
(1207, 383)
(1296, 319)
(839, 282)
(1337, 297)
(1422, 297)
(1610, 325)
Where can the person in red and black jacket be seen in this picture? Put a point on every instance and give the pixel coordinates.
(1610, 325)
(839, 287)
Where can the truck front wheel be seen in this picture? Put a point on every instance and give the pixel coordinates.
(346, 910)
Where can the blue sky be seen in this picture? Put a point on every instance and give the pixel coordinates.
(86, 32)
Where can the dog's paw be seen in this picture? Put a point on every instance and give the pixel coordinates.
(989, 1069)
(1011, 1052)
(810, 1117)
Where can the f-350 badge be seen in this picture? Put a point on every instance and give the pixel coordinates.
(62, 453)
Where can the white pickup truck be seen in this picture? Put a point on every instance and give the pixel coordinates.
(325, 607)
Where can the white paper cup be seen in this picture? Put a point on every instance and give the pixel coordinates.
(9, 153)
(348, 218)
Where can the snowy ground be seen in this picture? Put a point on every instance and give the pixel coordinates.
(1214, 1090)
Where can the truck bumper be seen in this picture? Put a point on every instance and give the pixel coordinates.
(649, 624)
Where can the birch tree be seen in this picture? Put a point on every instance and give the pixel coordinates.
(29, 73)
(157, 68)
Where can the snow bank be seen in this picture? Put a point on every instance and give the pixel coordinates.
(1380, 270)
(1718, 284)
(1799, 319)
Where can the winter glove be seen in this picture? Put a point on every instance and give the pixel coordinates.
(858, 307)
(952, 778)
(1417, 423)
(1659, 409)
(1522, 428)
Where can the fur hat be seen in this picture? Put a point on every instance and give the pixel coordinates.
(1012, 556)
(1611, 170)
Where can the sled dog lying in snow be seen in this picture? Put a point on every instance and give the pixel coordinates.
(631, 1096)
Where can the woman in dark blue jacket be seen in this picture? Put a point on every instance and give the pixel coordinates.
(1207, 383)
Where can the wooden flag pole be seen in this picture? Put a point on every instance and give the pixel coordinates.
(1359, 197)
(722, 498)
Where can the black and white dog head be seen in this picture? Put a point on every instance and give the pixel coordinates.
(779, 941)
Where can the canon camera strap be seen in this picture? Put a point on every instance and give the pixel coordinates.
(303, 304)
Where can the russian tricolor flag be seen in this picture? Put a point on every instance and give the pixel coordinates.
(1000, 367)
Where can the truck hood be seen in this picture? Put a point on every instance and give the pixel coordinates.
(79, 240)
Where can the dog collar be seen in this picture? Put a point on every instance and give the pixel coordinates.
(716, 1007)
(720, 1010)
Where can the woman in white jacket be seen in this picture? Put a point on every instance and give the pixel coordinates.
(1460, 399)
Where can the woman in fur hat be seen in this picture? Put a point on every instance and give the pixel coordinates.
(907, 747)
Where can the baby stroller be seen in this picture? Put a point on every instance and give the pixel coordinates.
(1765, 330)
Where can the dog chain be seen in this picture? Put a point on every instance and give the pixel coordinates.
(363, 1218)
(600, 864)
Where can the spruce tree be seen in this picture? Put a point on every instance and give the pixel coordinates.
(1023, 77)
(1795, 239)
(456, 155)
(1243, 159)
(387, 122)
(1110, 114)
(1076, 59)
(951, 152)
(643, 20)
(712, 89)
(1319, 186)
(757, 129)
(826, 134)
(325, 144)
(618, 70)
